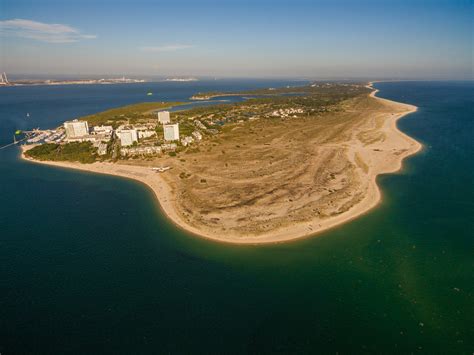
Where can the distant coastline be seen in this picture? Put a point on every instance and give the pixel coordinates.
(4, 82)
(181, 79)
(109, 81)
(381, 164)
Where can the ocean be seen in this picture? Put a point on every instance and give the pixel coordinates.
(88, 264)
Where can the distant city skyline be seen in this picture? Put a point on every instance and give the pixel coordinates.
(264, 39)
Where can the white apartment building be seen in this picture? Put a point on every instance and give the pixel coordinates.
(171, 132)
(164, 117)
(127, 136)
(76, 128)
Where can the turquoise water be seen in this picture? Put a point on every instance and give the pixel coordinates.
(89, 265)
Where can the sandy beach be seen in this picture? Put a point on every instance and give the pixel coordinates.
(371, 158)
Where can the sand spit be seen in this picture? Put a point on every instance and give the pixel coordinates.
(372, 146)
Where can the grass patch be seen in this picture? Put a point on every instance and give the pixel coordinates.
(130, 113)
(75, 152)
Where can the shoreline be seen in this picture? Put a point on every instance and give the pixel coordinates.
(165, 194)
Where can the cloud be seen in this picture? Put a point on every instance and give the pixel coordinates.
(166, 48)
(45, 32)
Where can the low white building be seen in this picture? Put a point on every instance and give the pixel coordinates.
(187, 140)
(171, 132)
(76, 128)
(199, 125)
(127, 136)
(146, 134)
(101, 148)
(287, 112)
(197, 135)
(169, 146)
(102, 129)
(140, 151)
(86, 138)
(164, 117)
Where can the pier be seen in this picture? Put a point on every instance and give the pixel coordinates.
(28, 135)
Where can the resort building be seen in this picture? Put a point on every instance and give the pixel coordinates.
(102, 130)
(88, 138)
(140, 151)
(145, 133)
(169, 147)
(164, 117)
(127, 136)
(76, 128)
(287, 112)
(187, 140)
(197, 135)
(200, 125)
(171, 132)
(101, 148)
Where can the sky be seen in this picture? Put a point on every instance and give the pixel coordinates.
(404, 39)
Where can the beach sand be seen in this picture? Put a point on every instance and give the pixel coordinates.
(372, 158)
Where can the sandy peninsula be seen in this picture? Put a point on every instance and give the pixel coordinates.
(270, 183)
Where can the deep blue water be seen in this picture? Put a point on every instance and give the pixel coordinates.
(89, 265)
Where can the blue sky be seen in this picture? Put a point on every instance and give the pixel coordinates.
(317, 39)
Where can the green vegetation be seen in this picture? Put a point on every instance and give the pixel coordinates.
(311, 100)
(186, 128)
(320, 88)
(184, 175)
(75, 152)
(131, 113)
(159, 130)
(272, 105)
